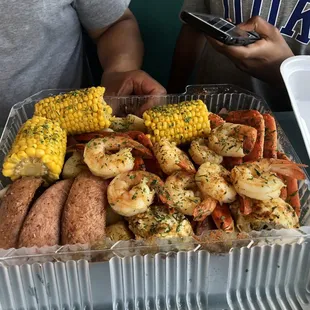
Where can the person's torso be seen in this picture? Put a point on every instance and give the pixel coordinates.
(291, 17)
(40, 48)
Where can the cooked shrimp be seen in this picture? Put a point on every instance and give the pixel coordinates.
(204, 209)
(223, 218)
(271, 137)
(215, 120)
(214, 180)
(131, 193)
(268, 214)
(183, 191)
(200, 153)
(144, 141)
(159, 222)
(254, 119)
(232, 140)
(257, 180)
(100, 161)
(171, 158)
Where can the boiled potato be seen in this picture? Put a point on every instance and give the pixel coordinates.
(73, 166)
(119, 231)
(129, 123)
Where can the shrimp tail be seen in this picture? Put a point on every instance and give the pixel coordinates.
(138, 149)
(222, 218)
(141, 137)
(204, 209)
(159, 186)
(245, 205)
(185, 166)
(139, 164)
(215, 120)
(250, 138)
(288, 168)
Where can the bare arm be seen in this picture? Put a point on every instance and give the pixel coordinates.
(187, 52)
(120, 47)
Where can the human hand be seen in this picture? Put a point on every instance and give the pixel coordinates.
(261, 59)
(135, 82)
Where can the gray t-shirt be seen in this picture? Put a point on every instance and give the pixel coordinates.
(41, 44)
(292, 17)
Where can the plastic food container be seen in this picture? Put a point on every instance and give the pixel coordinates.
(296, 75)
(260, 270)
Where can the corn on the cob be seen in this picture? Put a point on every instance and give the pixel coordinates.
(39, 149)
(179, 123)
(78, 111)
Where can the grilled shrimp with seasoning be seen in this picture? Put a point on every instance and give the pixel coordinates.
(214, 181)
(131, 193)
(258, 180)
(171, 158)
(254, 119)
(183, 191)
(201, 153)
(232, 140)
(268, 214)
(159, 222)
(101, 159)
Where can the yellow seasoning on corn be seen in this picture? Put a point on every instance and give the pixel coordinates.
(76, 111)
(38, 150)
(180, 123)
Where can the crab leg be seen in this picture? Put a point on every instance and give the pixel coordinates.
(271, 137)
(223, 218)
(292, 189)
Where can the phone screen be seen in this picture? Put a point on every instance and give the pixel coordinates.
(224, 26)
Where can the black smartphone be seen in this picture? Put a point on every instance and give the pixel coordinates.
(219, 29)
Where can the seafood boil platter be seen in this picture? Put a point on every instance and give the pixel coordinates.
(132, 191)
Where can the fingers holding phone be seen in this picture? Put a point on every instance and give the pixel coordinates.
(261, 59)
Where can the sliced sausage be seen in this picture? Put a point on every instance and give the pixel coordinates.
(84, 216)
(14, 207)
(42, 224)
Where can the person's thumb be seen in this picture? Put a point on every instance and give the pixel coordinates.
(259, 25)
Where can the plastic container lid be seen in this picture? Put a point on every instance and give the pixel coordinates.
(296, 74)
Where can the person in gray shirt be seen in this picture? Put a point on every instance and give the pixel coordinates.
(41, 47)
(284, 29)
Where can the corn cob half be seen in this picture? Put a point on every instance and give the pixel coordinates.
(180, 123)
(78, 111)
(39, 149)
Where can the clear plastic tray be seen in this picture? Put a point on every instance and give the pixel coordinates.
(265, 270)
